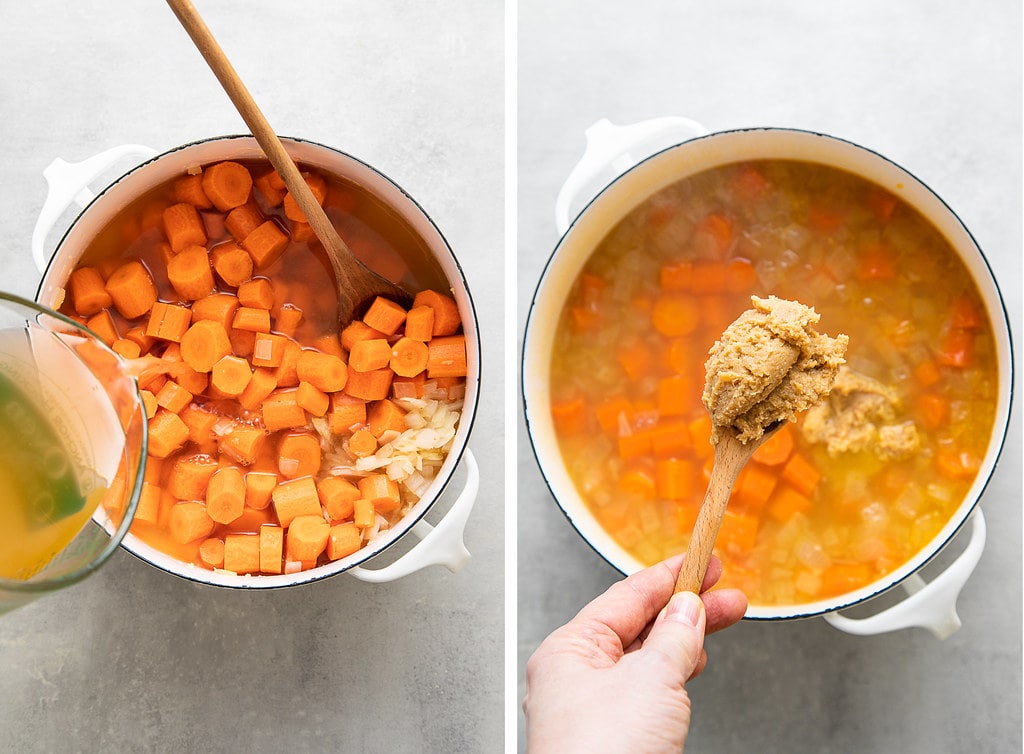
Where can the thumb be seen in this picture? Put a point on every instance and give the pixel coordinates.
(678, 633)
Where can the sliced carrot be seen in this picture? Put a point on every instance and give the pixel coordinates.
(173, 397)
(317, 185)
(740, 275)
(738, 532)
(776, 449)
(718, 227)
(675, 315)
(786, 502)
(189, 190)
(242, 553)
(877, 262)
(676, 276)
(200, 425)
(933, 409)
(148, 509)
(369, 386)
(674, 478)
(614, 413)
(287, 372)
(927, 373)
(271, 548)
(251, 319)
(296, 497)
(218, 307)
(262, 384)
(368, 355)
(268, 349)
(281, 410)
(167, 433)
(271, 188)
(189, 273)
(675, 395)
(635, 358)
(306, 538)
(324, 371)
(189, 521)
(103, 326)
(330, 343)
(670, 438)
(634, 445)
(408, 387)
(446, 356)
(446, 312)
(750, 183)
(132, 289)
(183, 227)
(149, 403)
(385, 416)
(956, 349)
(844, 576)
(298, 455)
(419, 323)
(957, 464)
(225, 495)
(801, 473)
(569, 416)
(709, 276)
(381, 490)
(242, 342)
(408, 357)
(211, 552)
(343, 540)
(312, 399)
(288, 319)
(231, 375)
(138, 335)
(266, 244)
(258, 487)
(242, 443)
(88, 291)
(232, 263)
(227, 184)
(384, 315)
(754, 486)
(257, 293)
(204, 344)
(356, 331)
(243, 220)
(168, 321)
(338, 496)
(190, 476)
(638, 482)
(362, 443)
(346, 413)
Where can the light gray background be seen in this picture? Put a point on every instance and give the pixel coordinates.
(134, 659)
(935, 86)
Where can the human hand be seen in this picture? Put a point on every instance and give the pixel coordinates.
(613, 679)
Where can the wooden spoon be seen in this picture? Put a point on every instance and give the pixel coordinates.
(731, 456)
(356, 283)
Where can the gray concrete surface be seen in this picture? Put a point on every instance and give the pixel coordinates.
(134, 659)
(935, 87)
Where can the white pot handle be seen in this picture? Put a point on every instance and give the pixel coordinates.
(611, 151)
(441, 544)
(930, 605)
(69, 182)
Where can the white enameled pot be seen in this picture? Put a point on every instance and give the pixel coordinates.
(69, 184)
(622, 167)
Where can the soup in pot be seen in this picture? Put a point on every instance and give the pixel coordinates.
(857, 485)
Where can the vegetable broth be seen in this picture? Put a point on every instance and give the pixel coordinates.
(627, 373)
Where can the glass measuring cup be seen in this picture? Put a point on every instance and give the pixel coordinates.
(73, 437)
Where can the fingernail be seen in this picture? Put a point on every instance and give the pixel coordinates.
(685, 608)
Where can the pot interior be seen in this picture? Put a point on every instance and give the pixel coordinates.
(664, 169)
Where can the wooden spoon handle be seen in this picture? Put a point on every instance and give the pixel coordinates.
(265, 136)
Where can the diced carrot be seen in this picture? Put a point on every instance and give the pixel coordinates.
(801, 473)
(227, 184)
(877, 262)
(258, 487)
(671, 438)
(103, 326)
(211, 552)
(634, 445)
(204, 344)
(676, 277)
(242, 342)
(750, 184)
(188, 522)
(243, 220)
(385, 315)
(189, 190)
(132, 289)
(368, 355)
(446, 312)
(189, 273)
(173, 397)
(419, 323)
(956, 349)
(298, 455)
(281, 410)
(266, 244)
(446, 356)
(149, 403)
(824, 219)
(347, 412)
(287, 371)
(358, 330)
(957, 464)
(718, 227)
(148, 509)
(231, 375)
(138, 336)
(288, 319)
(271, 188)
(200, 424)
(343, 540)
(740, 275)
(369, 386)
(183, 227)
(296, 497)
(257, 293)
(302, 232)
(362, 443)
(330, 343)
(674, 478)
(385, 416)
(927, 373)
(312, 399)
(738, 532)
(127, 349)
(217, 307)
(88, 291)
(613, 414)
(167, 433)
(168, 321)
(754, 486)
(242, 443)
(674, 395)
(636, 359)
(844, 576)
(933, 410)
(271, 540)
(338, 496)
(261, 385)
(225, 495)
(381, 490)
(242, 553)
(324, 371)
(709, 276)
(966, 314)
(306, 538)
(776, 449)
(317, 185)
(786, 503)
(674, 315)
(638, 482)
(408, 356)
(190, 476)
(251, 319)
(232, 263)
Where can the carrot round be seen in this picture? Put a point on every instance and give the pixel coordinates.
(362, 443)
(132, 289)
(204, 344)
(190, 274)
(231, 375)
(227, 184)
(189, 521)
(306, 538)
(232, 263)
(408, 357)
(211, 552)
(298, 455)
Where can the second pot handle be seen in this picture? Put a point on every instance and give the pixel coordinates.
(68, 183)
(930, 605)
(611, 151)
(442, 544)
